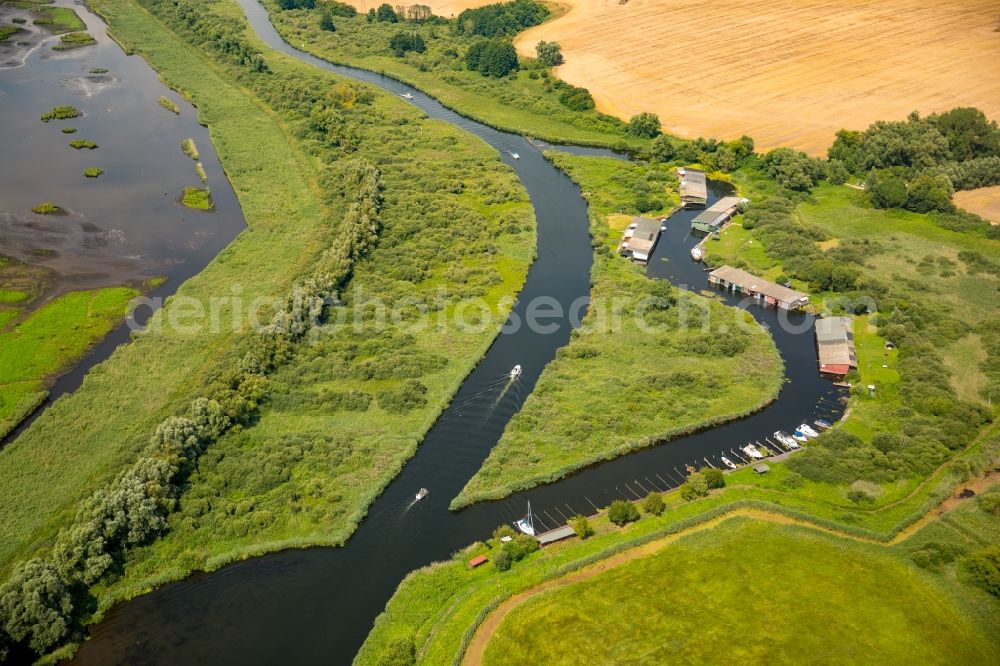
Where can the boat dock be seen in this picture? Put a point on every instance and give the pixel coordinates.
(716, 215)
(693, 188)
(835, 343)
(740, 282)
(640, 238)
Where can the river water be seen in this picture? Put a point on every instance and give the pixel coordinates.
(317, 605)
(127, 225)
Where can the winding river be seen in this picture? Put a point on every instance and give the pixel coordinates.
(317, 605)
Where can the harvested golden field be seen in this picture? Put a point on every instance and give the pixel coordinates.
(984, 202)
(786, 72)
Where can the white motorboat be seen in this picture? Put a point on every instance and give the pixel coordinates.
(515, 156)
(807, 431)
(785, 439)
(406, 96)
(752, 451)
(799, 435)
(526, 524)
(422, 493)
(696, 253)
(515, 372)
(729, 463)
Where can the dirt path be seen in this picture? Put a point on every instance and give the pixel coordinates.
(477, 646)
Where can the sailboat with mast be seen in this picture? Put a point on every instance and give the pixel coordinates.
(526, 524)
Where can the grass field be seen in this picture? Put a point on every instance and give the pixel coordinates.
(747, 592)
(58, 20)
(600, 398)
(49, 340)
(984, 202)
(791, 74)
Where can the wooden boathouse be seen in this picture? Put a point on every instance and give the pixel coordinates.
(835, 346)
(640, 238)
(716, 215)
(693, 188)
(740, 282)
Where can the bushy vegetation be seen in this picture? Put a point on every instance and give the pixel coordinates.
(918, 163)
(8, 30)
(549, 53)
(494, 57)
(502, 19)
(74, 40)
(80, 144)
(622, 512)
(60, 113)
(576, 98)
(93, 172)
(646, 125)
(68, 130)
(403, 42)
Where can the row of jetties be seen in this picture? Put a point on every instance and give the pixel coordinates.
(803, 433)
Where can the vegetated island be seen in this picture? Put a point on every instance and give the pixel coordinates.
(190, 148)
(81, 144)
(74, 40)
(60, 113)
(169, 104)
(46, 208)
(93, 172)
(199, 198)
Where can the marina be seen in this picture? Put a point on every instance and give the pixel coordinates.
(714, 217)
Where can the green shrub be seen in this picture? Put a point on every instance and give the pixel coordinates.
(68, 130)
(581, 526)
(577, 99)
(645, 125)
(549, 53)
(495, 57)
(714, 478)
(654, 504)
(502, 560)
(83, 143)
(622, 513)
(190, 149)
(402, 42)
(93, 172)
(983, 568)
(696, 486)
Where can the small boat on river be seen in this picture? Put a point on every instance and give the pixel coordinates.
(799, 435)
(515, 372)
(515, 156)
(823, 424)
(422, 493)
(406, 96)
(729, 463)
(752, 451)
(696, 253)
(526, 524)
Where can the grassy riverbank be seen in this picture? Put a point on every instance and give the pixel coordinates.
(601, 397)
(346, 409)
(525, 102)
(437, 610)
(49, 340)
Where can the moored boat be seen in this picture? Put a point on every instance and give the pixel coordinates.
(823, 424)
(696, 253)
(728, 463)
(807, 431)
(799, 435)
(785, 439)
(752, 451)
(526, 524)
